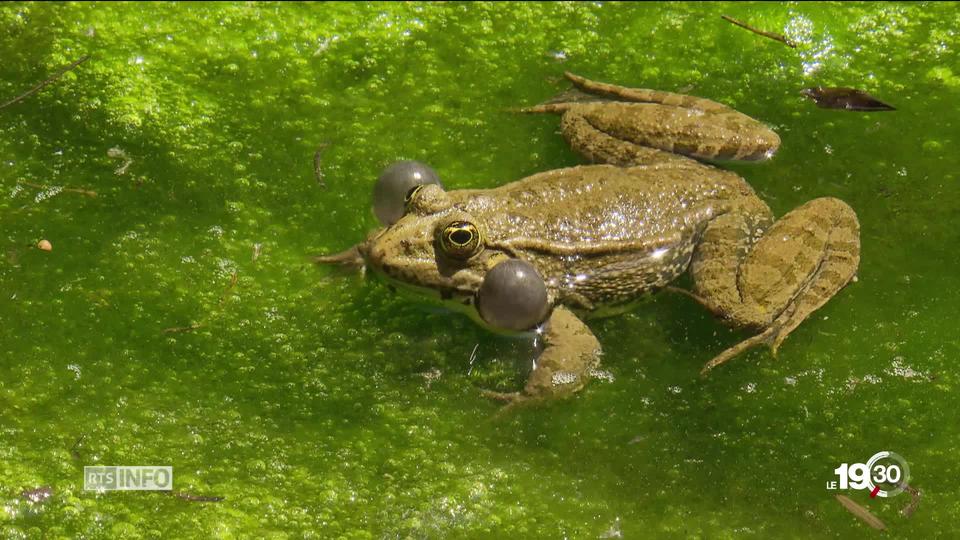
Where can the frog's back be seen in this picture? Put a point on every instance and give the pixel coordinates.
(603, 235)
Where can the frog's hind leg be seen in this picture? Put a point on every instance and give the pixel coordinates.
(599, 147)
(645, 95)
(587, 91)
(790, 271)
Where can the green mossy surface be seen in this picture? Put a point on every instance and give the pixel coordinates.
(321, 405)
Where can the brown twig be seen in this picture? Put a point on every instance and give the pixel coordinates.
(73, 449)
(861, 512)
(86, 192)
(177, 329)
(63, 71)
(769, 35)
(233, 283)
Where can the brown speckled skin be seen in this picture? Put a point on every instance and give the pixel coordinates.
(599, 235)
(602, 236)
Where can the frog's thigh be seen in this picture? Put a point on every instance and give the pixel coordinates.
(598, 147)
(794, 268)
(570, 351)
(719, 135)
(805, 258)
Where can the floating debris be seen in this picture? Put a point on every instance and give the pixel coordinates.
(44, 245)
(233, 283)
(178, 329)
(118, 153)
(196, 498)
(915, 496)
(63, 71)
(75, 449)
(50, 191)
(861, 512)
(849, 99)
(318, 165)
(614, 531)
(431, 376)
(769, 35)
(473, 356)
(37, 495)
(257, 248)
(899, 369)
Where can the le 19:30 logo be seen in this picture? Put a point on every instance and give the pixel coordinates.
(883, 469)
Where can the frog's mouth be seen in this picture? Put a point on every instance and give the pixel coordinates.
(453, 299)
(407, 262)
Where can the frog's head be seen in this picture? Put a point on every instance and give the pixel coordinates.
(436, 248)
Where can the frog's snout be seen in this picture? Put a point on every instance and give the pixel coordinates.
(365, 247)
(377, 255)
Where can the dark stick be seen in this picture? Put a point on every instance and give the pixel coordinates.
(48, 81)
(769, 35)
(73, 449)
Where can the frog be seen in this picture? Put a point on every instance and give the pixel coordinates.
(543, 255)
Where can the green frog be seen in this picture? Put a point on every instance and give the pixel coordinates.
(546, 252)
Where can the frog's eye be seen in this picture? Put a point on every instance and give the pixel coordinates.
(513, 296)
(396, 186)
(460, 239)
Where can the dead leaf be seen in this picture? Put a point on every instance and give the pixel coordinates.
(849, 99)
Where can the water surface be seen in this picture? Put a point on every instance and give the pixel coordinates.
(320, 404)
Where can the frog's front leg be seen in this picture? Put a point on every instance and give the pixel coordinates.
(774, 278)
(570, 352)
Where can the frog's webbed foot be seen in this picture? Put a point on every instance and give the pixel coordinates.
(796, 266)
(511, 401)
(563, 367)
(349, 258)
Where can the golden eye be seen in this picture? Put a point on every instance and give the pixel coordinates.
(460, 239)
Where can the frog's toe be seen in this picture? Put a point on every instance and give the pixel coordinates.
(766, 337)
(348, 258)
(506, 397)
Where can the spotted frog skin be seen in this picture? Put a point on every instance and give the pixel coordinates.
(602, 236)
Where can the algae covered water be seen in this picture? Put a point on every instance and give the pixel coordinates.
(173, 316)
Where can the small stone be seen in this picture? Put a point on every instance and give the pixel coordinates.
(45, 245)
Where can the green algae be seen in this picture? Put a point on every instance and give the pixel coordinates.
(320, 404)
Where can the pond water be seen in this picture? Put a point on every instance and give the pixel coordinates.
(177, 319)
